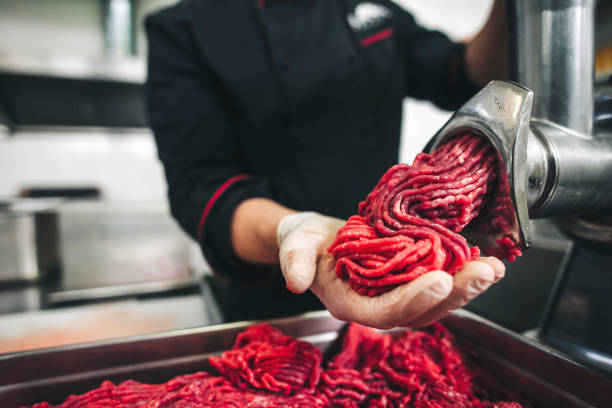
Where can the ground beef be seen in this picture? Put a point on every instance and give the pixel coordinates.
(372, 369)
(198, 390)
(410, 223)
(408, 369)
(264, 358)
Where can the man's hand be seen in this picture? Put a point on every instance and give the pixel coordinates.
(303, 239)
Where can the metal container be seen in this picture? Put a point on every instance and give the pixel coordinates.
(544, 376)
(29, 247)
(116, 244)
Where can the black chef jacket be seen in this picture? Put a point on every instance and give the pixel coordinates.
(299, 101)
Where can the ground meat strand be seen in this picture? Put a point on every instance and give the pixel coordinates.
(409, 224)
(348, 388)
(417, 368)
(264, 358)
(201, 390)
(372, 369)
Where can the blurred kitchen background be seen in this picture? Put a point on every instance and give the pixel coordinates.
(87, 247)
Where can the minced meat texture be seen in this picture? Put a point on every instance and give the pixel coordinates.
(373, 369)
(265, 358)
(408, 369)
(197, 390)
(410, 223)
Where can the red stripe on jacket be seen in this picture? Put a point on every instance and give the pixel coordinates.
(228, 183)
(376, 37)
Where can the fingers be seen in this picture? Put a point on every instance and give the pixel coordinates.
(391, 309)
(302, 239)
(498, 267)
(418, 303)
(406, 302)
(298, 264)
(331, 290)
(472, 280)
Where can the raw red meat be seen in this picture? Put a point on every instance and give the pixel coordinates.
(409, 224)
(264, 358)
(198, 390)
(411, 369)
(348, 388)
(375, 370)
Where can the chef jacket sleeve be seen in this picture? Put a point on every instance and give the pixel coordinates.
(435, 65)
(191, 117)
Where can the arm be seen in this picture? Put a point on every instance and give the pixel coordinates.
(486, 55)
(445, 72)
(254, 228)
(191, 117)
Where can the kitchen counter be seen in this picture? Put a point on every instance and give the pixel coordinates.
(125, 269)
(55, 327)
(30, 321)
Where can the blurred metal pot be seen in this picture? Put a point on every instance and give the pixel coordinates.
(107, 244)
(29, 241)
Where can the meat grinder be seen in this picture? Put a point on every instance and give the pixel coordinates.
(557, 164)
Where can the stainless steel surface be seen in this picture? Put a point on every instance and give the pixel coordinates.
(596, 229)
(580, 168)
(106, 245)
(545, 376)
(501, 112)
(29, 247)
(69, 325)
(109, 292)
(541, 170)
(119, 33)
(95, 250)
(543, 129)
(552, 53)
(21, 299)
(552, 50)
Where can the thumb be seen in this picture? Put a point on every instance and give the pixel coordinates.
(298, 263)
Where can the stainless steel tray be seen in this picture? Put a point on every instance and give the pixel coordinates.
(544, 376)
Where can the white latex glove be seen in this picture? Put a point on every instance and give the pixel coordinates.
(303, 239)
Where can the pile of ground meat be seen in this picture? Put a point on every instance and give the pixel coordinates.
(264, 358)
(410, 223)
(266, 368)
(408, 369)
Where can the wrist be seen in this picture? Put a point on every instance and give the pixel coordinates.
(254, 227)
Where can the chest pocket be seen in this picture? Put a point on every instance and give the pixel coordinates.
(376, 37)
